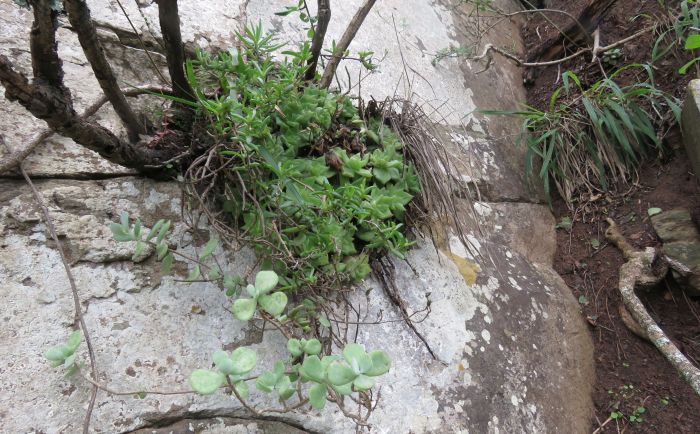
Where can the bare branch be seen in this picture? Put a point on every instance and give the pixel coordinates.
(344, 43)
(15, 158)
(324, 17)
(170, 28)
(519, 62)
(79, 17)
(49, 104)
(46, 65)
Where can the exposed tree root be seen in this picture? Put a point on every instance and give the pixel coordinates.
(639, 270)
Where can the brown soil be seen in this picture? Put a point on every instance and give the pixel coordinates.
(631, 373)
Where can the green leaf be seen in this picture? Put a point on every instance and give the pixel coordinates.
(242, 389)
(119, 233)
(224, 363)
(284, 387)
(74, 340)
(344, 389)
(244, 360)
(693, 42)
(244, 308)
(250, 289)
(317, 396)
(195, 274)
(566, 223)
(358, 358)
(70, 360)
(273, 304)
(161, 250)
(340, 373)
(654, 211)
(154, 230)
(58, 353)
(312, 369)
(163, 232)
(324, 321)
(381, 363)
(363, 383)
(167, 265)
(266, 382)
(138, 250)
(206, 382)
(294, 347)
(312, 347)
(265, 281)
(209, 248)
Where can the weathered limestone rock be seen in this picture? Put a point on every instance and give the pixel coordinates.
(682, 245)
(511, 352)
(691, 124)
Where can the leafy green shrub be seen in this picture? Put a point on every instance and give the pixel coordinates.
(315, 188)
(592, 137)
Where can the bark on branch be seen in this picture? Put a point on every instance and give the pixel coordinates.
(169, 19)
(56, 109)
(345, 41)
(324, 17)
(46, 65)
(638, 270)
(79, 17)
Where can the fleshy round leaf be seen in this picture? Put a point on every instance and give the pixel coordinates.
(70, 360)
(380, 363)
(317, 396)
(345, 389)
(340, 373)
(206, 382)
(284, 387)
(58, 353)
(324, 321)
(244, 308)
(312, 347)
(74, 340)
(326, 360)
(244, 360)
(250, 289)
(312, 369)
(265, 281)
(294, 347)
(266, 382)
(363, 383)
(242, 389)
(223, 362)
(273, 304)
(358, 358)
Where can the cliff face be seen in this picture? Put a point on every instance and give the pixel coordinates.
(511, 353)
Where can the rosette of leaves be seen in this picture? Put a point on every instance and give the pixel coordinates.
(234, 366)
(276, 380)
(274, 304)
(64, 354)
(354, 372)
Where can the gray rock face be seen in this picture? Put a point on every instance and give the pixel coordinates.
(511, 353)
(682, 246)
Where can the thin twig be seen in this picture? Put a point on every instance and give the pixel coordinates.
(519, 62)
(74, 289)
(344, 43)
